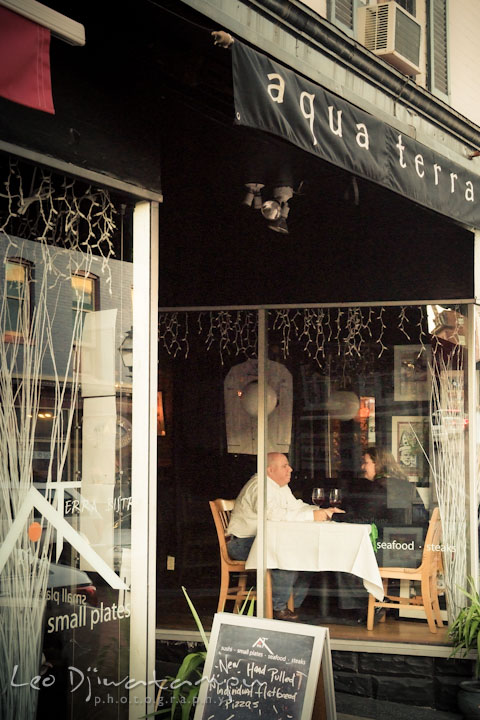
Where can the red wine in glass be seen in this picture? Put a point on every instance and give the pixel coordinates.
(318, 496)
(335, 497)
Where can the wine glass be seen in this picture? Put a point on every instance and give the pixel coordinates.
(318, 496)
(335, 497)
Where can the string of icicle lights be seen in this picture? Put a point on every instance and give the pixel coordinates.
(321, 332)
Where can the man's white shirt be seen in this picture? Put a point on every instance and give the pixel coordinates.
(281, 505)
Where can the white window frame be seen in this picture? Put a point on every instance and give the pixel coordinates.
(351, 31)
(144, 456)
(144, 421)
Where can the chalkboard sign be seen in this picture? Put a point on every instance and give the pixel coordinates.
(257, 668)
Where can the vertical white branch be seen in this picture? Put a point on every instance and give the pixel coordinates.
(448, 462)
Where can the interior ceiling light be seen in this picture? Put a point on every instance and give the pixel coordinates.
(343, 405)
(254, 195)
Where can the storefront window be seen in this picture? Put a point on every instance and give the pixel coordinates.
(197, 455)
(66, 428)
(367, 403)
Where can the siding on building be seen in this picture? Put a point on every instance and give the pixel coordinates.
(59, 301)
(463, 54)
(464, 57)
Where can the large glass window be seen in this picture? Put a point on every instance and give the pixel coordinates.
(66, 423)
(367, 403)
(197, 455)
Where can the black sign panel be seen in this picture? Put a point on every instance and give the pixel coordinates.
(256, 669)
(270, 97)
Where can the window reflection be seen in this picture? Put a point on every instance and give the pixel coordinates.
(18, 277)
(84, 295)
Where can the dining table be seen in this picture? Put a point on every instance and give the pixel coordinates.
(321, 546)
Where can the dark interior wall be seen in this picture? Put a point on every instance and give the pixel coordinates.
(200, 466)
(149, 98)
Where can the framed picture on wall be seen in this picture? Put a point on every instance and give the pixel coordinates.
(410, 373)
(410, 445)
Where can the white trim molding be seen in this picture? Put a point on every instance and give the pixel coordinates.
(59, 25)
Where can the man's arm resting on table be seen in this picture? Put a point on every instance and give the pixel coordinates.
(326, 514)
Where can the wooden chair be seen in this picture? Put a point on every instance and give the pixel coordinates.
(426, 574)
(221, 511)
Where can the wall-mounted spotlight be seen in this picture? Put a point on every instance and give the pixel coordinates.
(276, 210)
(280, 224)
(254, 195)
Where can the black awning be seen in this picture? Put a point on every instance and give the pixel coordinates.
(272, 98)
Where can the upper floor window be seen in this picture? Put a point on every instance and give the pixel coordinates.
(438, 81)
(342, 14)
(408, 5)
(84, 295)
(18, 277)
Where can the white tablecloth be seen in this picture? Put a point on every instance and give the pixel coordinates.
(344, 547)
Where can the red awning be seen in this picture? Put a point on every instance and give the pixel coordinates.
(25, 62)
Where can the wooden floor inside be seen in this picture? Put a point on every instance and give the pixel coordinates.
(393, 630)
(173, 614)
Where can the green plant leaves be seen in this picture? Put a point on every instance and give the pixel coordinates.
(187, 683)
(183, 689)
(250, 603)
(196, 618)
(464, 632)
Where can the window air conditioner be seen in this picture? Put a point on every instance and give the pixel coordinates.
(391, 33)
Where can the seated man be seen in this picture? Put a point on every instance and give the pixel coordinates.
(280, 505)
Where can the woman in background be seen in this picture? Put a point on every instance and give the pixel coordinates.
(383, 496)
(387, 496)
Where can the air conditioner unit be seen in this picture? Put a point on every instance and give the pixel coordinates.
(393, 34)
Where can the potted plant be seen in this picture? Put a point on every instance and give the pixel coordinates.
(465, 636)
(178, 695)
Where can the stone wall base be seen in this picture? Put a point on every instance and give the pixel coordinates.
(422, 682)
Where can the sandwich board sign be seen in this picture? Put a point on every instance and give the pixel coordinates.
(265, 669)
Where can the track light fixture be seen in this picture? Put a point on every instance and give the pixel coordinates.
(276, 210)
(271, 210)
(280, 224)
(254, 195)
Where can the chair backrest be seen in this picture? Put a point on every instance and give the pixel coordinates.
(432, 554)
(221, 511)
